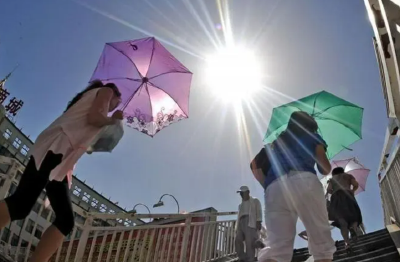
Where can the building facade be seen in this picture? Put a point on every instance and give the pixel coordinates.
(384, 16)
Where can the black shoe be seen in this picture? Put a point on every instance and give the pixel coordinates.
(348, 248)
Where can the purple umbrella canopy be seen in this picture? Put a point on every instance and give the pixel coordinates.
(353, 167)
(154, 85)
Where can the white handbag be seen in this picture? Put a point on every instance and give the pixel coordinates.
(107, 139)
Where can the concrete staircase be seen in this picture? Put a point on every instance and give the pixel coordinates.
(377, 246)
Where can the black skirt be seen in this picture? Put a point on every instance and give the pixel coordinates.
(343, 205)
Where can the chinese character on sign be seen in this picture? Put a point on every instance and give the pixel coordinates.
(14, 106)
(3, 95)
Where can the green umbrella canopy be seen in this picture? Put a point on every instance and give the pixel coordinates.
(339, 121)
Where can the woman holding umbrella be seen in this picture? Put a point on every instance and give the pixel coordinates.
(294, 191)
(343, 209)
(55, 153)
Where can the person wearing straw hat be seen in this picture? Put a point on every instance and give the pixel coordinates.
(249, 222)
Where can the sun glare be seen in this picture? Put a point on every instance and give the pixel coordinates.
(234, 74)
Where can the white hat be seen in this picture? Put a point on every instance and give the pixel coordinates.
(243, 189)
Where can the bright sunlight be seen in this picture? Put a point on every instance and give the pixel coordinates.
(234, 74)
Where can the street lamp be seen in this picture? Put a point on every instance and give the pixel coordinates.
(140, 204)
(160, 203)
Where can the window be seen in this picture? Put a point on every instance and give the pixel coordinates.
(18, 176)
(103, 208)
(12, 189)
(24, 243)
(24, 150)
(4, 168)
(17, 143)
(14, 240)
(6, 235)
(77, 191)
(7, 134)
(45, 213)
(29, 226)
(86, 197)
(20, 222)
(128, 223)
(2, 182)
(94, 202)
(78, 233)
(53, 217)
(79, 219)
(100, 223)
(38, 231)
(36, 207)
(5, 152)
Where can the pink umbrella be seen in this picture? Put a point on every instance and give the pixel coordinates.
(154, 85)
(353, 167)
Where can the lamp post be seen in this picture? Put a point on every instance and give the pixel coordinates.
(160, 203)
(140, 204)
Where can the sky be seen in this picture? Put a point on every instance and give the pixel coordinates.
(304, 47)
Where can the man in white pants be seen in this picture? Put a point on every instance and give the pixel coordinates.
(248, 224)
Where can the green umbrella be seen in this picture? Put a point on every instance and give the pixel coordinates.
(339, 121)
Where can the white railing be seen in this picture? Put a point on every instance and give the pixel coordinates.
(186, 238)
(194, 237)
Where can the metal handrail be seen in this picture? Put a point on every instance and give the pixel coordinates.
(140, 216)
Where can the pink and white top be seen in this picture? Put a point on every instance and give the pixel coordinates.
(70, 135)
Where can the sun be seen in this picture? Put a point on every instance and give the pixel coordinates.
(234, 74)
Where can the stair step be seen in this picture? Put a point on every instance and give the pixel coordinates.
(366, 247)
(373, 247)
(377, 254)
(389, 257)
(365, 240)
